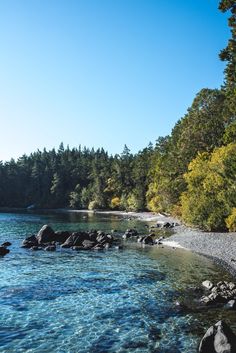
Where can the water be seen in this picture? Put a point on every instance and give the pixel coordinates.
(110, 301)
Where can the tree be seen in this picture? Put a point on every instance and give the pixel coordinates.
(211, 194)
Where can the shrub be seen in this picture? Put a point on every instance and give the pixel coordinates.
(115, 202)
(231, 221)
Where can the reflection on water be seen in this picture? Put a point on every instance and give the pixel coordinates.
(111, 301)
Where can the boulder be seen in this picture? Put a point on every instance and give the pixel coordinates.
(45, 235)
(104, 238)
(6, 244)
(75, 239)
(231, 304)
(62, 236)
(3, 251)
(207, 284)
(93, 235)
(88, 244)
(218, 339)
(148, 240)
(29, 242)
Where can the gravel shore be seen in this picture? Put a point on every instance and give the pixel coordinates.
(219, 246)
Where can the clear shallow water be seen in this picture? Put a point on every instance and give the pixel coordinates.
(111, 301)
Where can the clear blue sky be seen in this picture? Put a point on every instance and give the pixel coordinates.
(103, 73)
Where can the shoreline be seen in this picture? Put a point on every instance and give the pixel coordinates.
(220, 247)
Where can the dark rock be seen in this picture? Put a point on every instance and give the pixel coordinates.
(29, 242)
(148, 240)
(50, 248)
(130, 233)
(77, 248)
(36, 248)
(218, 339)
(88, 244)
(45, 235)
(62, 236)
(79, 237)
(167, 225)
(3, 251)
(98, 247)
(6, 244)
(75, 239)
(104, 238)
(93, 235)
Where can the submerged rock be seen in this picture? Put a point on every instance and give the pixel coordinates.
(3, 251)
(218, 339)
(6, 244)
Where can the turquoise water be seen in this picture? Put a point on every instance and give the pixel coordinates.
(108, 301)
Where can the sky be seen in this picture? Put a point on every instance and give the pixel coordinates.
(103, 73)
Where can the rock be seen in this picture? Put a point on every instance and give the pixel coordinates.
(88, 244)
(218, 339)
(50, 248)
(131, 232)
(77, 248)
(62, 236)
(29, 242)
(45, 235)
(148, 240)
(119, 247)
(3, 251)
(93, 235)
(98, 247)
(207, 284)
(104, 238)
(75, 239)
(167, 225)
(231, 304)
(158, 241)
(35, 248)
(79, 237)
(6, 244)
(231, 285)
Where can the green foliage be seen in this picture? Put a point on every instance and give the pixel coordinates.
(231, 221)
(228, 54)
(200, 130)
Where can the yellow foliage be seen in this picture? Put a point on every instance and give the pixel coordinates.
(231, 221)
(115, 202)
(211, 189)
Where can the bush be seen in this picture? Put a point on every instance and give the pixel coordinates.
(231, 221)
(211, 192)
(115, 202)
(93, 205)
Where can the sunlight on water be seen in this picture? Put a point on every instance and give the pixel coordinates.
(109, 301)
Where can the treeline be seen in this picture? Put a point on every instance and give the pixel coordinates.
(191, 173)
(77, 178)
